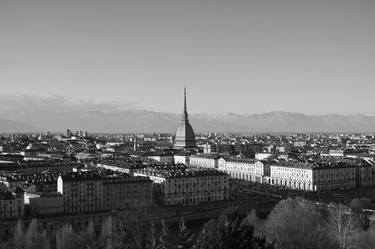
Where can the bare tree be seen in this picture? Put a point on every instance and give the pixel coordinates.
(137, 229)
(34, 239)
(228, 233)
(107, 231)
(65, 237)
(364, 239)
(341, 225)
(19, 235)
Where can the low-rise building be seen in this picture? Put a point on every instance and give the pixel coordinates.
(182, 159)
(204, 161)
(336, 153)
(35, 182)
(321, 175)
(124, 166)
(295, 175)
(32, 167)
(162, 157)
(263, 156)
(86, 192)
(11, 203)
(233, 149)
(299, 143)
(179, 185)
(244, 169)
(46, 203)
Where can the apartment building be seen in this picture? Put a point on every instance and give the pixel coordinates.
(12, 204)
(321, 175)
(244, 169)
(92, 191)
(204, 161)
(178, 185)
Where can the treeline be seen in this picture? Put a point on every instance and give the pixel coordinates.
(301, 224)
(294, 223)
(224, 232)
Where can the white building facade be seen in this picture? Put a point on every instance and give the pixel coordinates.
(244, 169)
(184, 187)
(204, 161)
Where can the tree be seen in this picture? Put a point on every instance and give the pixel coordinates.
(253, 220)
(66, 238)
(164, 239)
(296, 223)
(87, 239)
(19, 235)
(34, 239)
(185, 238)
(364, 239)
(107, 232)
(358, 204)
(90, 231)
(137, 228)
(108, 237)
(209, 237)
(137, 234)
(225, 233)
(341, 225)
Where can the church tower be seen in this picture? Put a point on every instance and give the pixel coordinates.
(185, 137)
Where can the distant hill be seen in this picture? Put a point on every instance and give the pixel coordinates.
(149, 121)
(9, 126)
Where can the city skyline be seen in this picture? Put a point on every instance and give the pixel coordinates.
(255, 57)
(195, 124)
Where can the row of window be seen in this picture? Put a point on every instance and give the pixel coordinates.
(194, 200)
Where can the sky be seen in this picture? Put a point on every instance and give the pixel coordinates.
(313, 57)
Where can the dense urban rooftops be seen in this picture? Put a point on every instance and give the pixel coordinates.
(182, 153)
(241, 160)
(158, 153)
(324, 164)
(179, 171)
(6, 194)
(209, 156)
(124, 163)
(11, 157)
(106, 176)
(36, 164)
(35, 178)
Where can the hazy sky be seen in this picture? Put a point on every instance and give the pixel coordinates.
(313, 57)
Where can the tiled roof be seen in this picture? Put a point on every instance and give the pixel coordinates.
(104, 176)
(179, 172)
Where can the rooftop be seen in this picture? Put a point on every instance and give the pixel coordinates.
(106, 176)
(5, 193)
(324, 164)
(33, 179)
(179, 172)
(241, 160)
(126, 164)
(211, 156)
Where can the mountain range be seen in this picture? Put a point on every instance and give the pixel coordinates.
(124, 121)
(11, 126)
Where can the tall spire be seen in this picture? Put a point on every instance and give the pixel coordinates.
(185, 136)
(185, 116)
